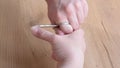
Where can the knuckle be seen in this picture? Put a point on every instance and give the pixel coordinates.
(69, 9)
(58, 15)
(77, 5)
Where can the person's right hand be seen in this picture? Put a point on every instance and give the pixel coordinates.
(68, 50)
(71, 11)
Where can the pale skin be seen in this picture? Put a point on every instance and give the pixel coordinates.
(68, 43)
(72, 11)
(68, 50)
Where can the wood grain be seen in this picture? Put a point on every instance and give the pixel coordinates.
(20, 49)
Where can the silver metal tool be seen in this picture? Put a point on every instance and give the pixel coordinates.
(53, 26)
(49, 26)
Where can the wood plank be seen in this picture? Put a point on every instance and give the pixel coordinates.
(103, 34)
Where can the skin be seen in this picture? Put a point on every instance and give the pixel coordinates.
(68, 44)
(72, 11)
(68, 49)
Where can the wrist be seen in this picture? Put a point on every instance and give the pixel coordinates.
(75, 62)
(71, 64)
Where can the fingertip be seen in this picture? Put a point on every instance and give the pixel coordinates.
(35, 29)
(66, 28)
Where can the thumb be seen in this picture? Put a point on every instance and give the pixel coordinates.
(42, 33)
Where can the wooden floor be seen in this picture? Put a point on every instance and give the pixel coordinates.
(20, 49)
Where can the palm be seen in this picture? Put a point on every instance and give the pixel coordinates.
(61, 49)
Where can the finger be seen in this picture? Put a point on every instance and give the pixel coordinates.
(43, 34)
(58, 31)
(66, 28)
(70, 11)
(85, 7)
(79, 12)
(61, 18)
(51, 19)
(73, 21)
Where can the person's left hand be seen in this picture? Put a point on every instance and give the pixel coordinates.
(71, 11)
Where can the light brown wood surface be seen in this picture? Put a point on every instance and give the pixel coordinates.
(20, 49)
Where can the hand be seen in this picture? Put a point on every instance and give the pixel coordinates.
(72, 11)
(68, 50)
